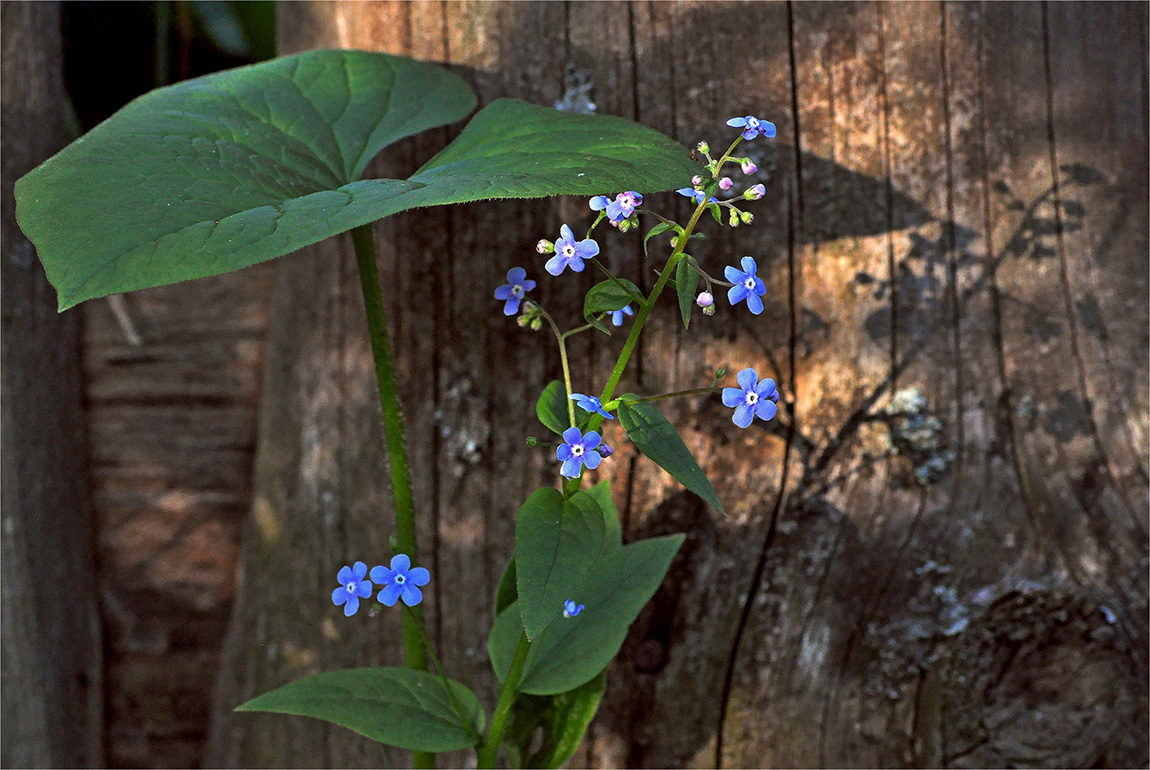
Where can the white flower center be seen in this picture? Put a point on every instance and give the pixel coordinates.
(752, 398)
(568, 250)
(516, 290)
(400, 579)
(752, 122)
(577, 450)
(749, 283)
(351, 587)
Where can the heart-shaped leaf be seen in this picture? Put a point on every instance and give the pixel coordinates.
(608, 295)
(397, 706)
(225, 171)
(655, 437)
(556, 543)
(575, 649)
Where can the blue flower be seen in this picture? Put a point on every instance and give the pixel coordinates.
(402, 580)
(617, 315)
(568, 253)
(753, 127)
(571, 609)
(752, 398)
(352, 587)
(747, 286)
(590, 404)
(697, 195)
(619, 209)
(513, 291)
(578, 450)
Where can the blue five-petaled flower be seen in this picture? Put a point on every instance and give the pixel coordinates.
(752, 398)
(619, 209)
(578, 450)
(747, 285)
(569, 253)
(697, 195)
(514, 290)
(400, 581)
(617, 315)
(352, 587)
(753, 126)
(590, 404)
(571, 609)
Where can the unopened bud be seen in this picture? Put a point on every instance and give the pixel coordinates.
(747, 217)
(545, 247)
(523, 320)
(756, 192)
(605, 450)
(705, 299)
(726, 184)
(696, 180)
(704, 147)
(532, 441)
(624, 224)
(748, 166)
(709, 310)
(675, 242)
(536, 324)
(733, 219)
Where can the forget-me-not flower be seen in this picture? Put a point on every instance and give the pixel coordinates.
(697, 195)
(352, 587)
(571, 609)
(513, 291)
(590, 404)
(578, 450)
(753, 126)
(619, 209)
(617, 315)
(569, 253)
(401, 581)
(752, 398)
(747, 286)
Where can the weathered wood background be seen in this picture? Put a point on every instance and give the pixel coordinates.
(935, 555)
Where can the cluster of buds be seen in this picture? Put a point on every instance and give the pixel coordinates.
(532, 315)
(706, 301)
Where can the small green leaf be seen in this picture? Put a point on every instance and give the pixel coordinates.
(686, 282)
(397, 706)
(715, 212)
(662, 227)
(575, 649)
(556, 542)
(551, 408)
(607, 296)
(507, 592)
(613, 536)
(564, 722)
(655, 437)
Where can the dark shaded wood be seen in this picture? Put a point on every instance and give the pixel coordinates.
(52, 659)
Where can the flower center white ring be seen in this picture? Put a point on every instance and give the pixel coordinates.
(351, 587)
(400, 579)
(752, 398)
(577, 450)
(568, 251)
(749, 283)
(516, 290)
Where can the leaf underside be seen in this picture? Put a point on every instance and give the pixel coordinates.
(232, 169)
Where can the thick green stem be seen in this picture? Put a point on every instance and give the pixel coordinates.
(401, 492)
(490, 749)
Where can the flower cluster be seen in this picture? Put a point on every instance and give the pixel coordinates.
(621, 211)
(399, 581)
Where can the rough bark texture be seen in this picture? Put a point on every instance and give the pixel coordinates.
(52, 703)
(935, 555)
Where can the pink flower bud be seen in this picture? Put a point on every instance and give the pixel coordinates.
(756, 192)
(748, 166)
(704, 299)
(545, 246)
(696, 180)
(726, 184)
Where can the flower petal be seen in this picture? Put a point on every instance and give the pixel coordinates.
(765, 388)
(352, 606)
(733, 396)
(743, 416)
(586, 249)
(566, 234)
(599, 202)
(765, 410)
(411, 595)
(390, 594)
(555, 265)
(572, 435)
(768, 129)
(503, 292)
(345, 575)
(528, 285)
(570, 468)
(749, 266)
(750, 133)
(592, 459)
(754, 303)
(747, 379)
(563, 452)
(511, 307)
(364, 588)
(737, 122)
(576, 264)
(516, 275)
(733, 274)
(359, 569)
(339, 596)
(401, 562)
(736, 293)
(420, 576)
(591, 440)
(381, 575)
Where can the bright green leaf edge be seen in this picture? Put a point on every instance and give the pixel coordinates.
(218, 173)
(397, 706)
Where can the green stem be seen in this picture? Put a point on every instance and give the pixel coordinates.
(413, 651)
(463, 719)
(677, 393)
(490, 749)
(562, 339)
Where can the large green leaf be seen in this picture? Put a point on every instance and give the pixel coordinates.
(225, 171)
(554, 723)
(574, 650)
(556, 542)
(655, 437)
(396, 706)
(613, 535)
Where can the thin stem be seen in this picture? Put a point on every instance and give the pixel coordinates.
(615, 280)
(463, 720)
(692, 392)
(561, 338)
(490, 749)
(401, 491)
(578, 330)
